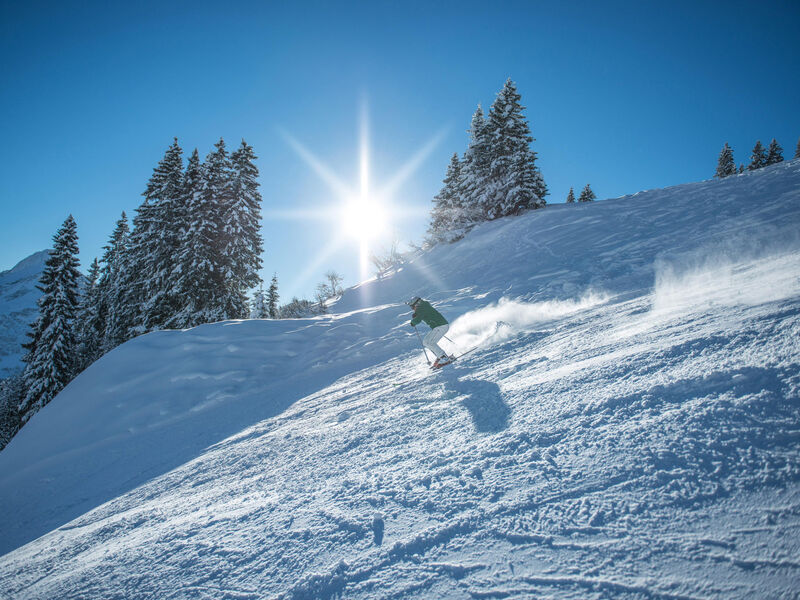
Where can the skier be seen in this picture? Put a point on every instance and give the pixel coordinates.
(423, 311)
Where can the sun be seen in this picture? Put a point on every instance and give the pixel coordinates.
(364, 219)
(365, 214)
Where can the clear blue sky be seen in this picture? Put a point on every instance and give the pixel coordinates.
(624, 95)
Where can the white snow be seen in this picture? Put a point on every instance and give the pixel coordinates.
(628, 427)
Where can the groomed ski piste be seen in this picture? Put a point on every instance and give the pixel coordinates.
(628, 426)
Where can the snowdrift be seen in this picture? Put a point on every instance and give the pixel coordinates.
(627, 426)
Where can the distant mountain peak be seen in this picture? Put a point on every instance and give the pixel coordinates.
(18, 296)
(33, 262)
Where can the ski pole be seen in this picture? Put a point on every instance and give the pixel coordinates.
(423, 345)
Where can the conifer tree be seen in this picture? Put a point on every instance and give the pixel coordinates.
(571, 196)
(530, 189)
(182, 224)
(241, 238)
(725, 164)
(50, 360)
(259, 308)
(12, 392)
(797, 150)
(446, 204)
(155, 243)
(197, 256)
(759, 157)
(473, 176)
(587, 195)
(90, 324)
(116, 312)
(272, 297)
(216, 193)
(775, 153)
(515, 182)
(203, 267)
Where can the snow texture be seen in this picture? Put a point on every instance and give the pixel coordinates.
(18, 309)
(628, 426)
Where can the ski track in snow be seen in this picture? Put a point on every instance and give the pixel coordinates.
(628, 427)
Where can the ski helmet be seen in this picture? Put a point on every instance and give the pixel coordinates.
(414, 300)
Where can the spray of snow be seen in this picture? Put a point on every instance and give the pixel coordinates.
(715, 276)
(506, 318)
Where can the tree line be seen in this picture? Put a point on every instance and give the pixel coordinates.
(587, 195)
(191, 257)
(759, 157)
(265, 303)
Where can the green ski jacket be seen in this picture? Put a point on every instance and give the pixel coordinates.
(425, 312)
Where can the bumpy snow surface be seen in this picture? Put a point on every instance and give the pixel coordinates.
(628, 426)
(18, 296)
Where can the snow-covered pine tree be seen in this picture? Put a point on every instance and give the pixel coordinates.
(116, 310)
(12, 391)
(204, 268)
(446, 204)
(473, 184)
(90, 323)
(571, 196)
(725, 164)
(741, 168)
(50, 360)
(587, 195)
(139, 265)
(774, 153)
(183, 225)
(273, 297)
(241, 238)
(198, 254)
(758, 158)
(515, 181)
(528, 178)
(797, 150)
(155, 249)
(258, 309)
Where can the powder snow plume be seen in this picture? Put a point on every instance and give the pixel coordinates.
(506, 318)
(716, 276)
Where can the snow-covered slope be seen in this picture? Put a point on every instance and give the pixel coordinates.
(18, 296)
(628, 426)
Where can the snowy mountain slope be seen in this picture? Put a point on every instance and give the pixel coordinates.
(628, 427)
(18, 296)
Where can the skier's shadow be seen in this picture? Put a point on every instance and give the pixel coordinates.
(484, 401)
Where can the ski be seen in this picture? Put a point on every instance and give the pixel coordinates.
(436, 366)
(465, 353)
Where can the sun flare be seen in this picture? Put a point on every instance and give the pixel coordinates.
(365, 215)
(364, 219)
